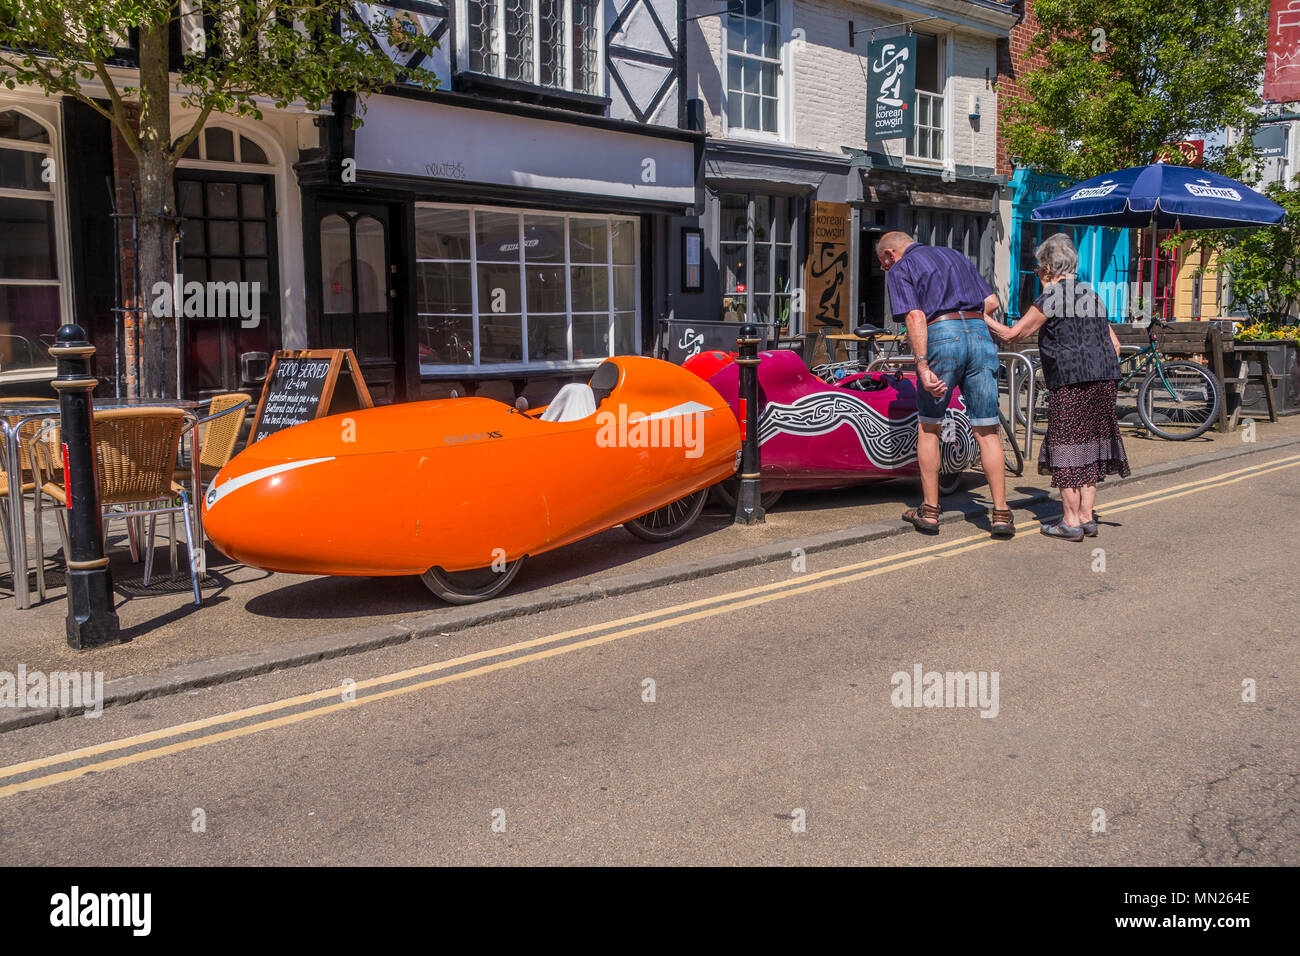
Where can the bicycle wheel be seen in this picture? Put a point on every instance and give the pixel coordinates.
(669, 521)
(728, 487)
(1015, 459)
(1183, 405)
(1040, 402)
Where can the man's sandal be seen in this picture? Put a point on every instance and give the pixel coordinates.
(924, 519)
(1002, 524)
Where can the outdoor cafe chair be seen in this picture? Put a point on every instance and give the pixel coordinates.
(135, 452)
(217, 433)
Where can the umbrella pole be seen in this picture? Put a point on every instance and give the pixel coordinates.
(1154, 250)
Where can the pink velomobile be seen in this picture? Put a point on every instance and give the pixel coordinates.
(813, 434)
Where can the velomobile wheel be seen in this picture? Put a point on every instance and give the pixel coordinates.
(670, 520)
(948, 484)
(470, 587)
(728, 487)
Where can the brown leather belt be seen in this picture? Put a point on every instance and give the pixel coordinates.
(945, 316)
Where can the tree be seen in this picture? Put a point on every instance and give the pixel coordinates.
(1264, 263)
(116, 55)
(1123, 78)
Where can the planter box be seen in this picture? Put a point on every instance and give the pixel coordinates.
(1283, 360)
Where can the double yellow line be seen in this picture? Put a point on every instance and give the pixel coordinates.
(560, 643)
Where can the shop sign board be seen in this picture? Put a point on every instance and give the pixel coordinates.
(687, 338)
(891, 88)
(479, 146)
(1282, 55)
(1270, 142)
(303, 384)
(827, 276)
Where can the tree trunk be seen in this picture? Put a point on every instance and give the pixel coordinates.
(157, 225)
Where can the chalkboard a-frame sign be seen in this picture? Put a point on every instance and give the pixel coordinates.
(303, 384)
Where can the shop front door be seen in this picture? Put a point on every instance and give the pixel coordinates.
(228, 248)
(358, 291)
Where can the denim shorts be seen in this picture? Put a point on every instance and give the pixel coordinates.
(962, 353)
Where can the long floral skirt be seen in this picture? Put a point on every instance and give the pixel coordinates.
(1083, 443)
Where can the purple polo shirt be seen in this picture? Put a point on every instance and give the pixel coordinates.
(935, 280)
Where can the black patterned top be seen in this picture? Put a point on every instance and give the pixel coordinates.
(1074, 342)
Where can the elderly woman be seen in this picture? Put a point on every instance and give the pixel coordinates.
(1080, 356)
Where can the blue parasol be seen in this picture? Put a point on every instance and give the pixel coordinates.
(1161, 196)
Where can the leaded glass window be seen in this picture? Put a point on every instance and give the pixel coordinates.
(553, 43)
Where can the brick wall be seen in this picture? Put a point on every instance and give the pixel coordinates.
(1014, 63)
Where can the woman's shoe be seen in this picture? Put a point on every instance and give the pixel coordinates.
(1002, 524)
(924, 519)
(1090, 527)
(1063, 531)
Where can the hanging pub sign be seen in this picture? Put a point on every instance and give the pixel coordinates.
(1187, 152)
(1270, 142)
(1282, 56)
(827, 277)
(891, 88)
(303, 384)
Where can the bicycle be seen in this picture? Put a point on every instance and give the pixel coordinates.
(1176, 400)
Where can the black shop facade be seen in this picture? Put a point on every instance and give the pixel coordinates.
(462, 245)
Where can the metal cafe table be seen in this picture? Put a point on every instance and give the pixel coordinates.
(12, 418)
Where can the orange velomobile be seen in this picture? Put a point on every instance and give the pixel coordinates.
(461, 490)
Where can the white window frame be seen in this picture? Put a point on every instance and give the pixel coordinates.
(527, 364)
(499, 45)
(944, 56)
(59, 221)
(784, 85)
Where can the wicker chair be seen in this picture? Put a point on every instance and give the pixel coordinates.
(218, 431)
(135, 451)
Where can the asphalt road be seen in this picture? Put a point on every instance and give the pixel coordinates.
(1118, 735)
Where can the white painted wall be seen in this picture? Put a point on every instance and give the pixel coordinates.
(826, 76)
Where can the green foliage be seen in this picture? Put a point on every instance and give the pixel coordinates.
(1126, 77)
(253, 52)
(1263, 262)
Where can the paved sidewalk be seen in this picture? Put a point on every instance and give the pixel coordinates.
(253, 621)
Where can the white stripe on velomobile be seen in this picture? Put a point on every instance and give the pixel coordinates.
(686, 408)
(216, 494)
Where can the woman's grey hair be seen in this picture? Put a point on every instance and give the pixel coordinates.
(1057, 255)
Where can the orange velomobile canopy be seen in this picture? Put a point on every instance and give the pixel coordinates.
(463, 483)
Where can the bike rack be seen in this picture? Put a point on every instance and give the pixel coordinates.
(1016, 359)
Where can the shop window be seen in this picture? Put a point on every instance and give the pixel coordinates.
(500, 287)
(755, 40)
(30, 308)
(217, 144)
(927, 137)
(552, 43)
(756, 246)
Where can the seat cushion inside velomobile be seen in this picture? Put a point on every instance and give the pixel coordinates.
(574, 402)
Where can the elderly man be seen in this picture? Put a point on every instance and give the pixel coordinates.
(943, 301)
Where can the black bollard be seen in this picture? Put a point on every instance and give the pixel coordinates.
(92, 622)
(749, 497)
